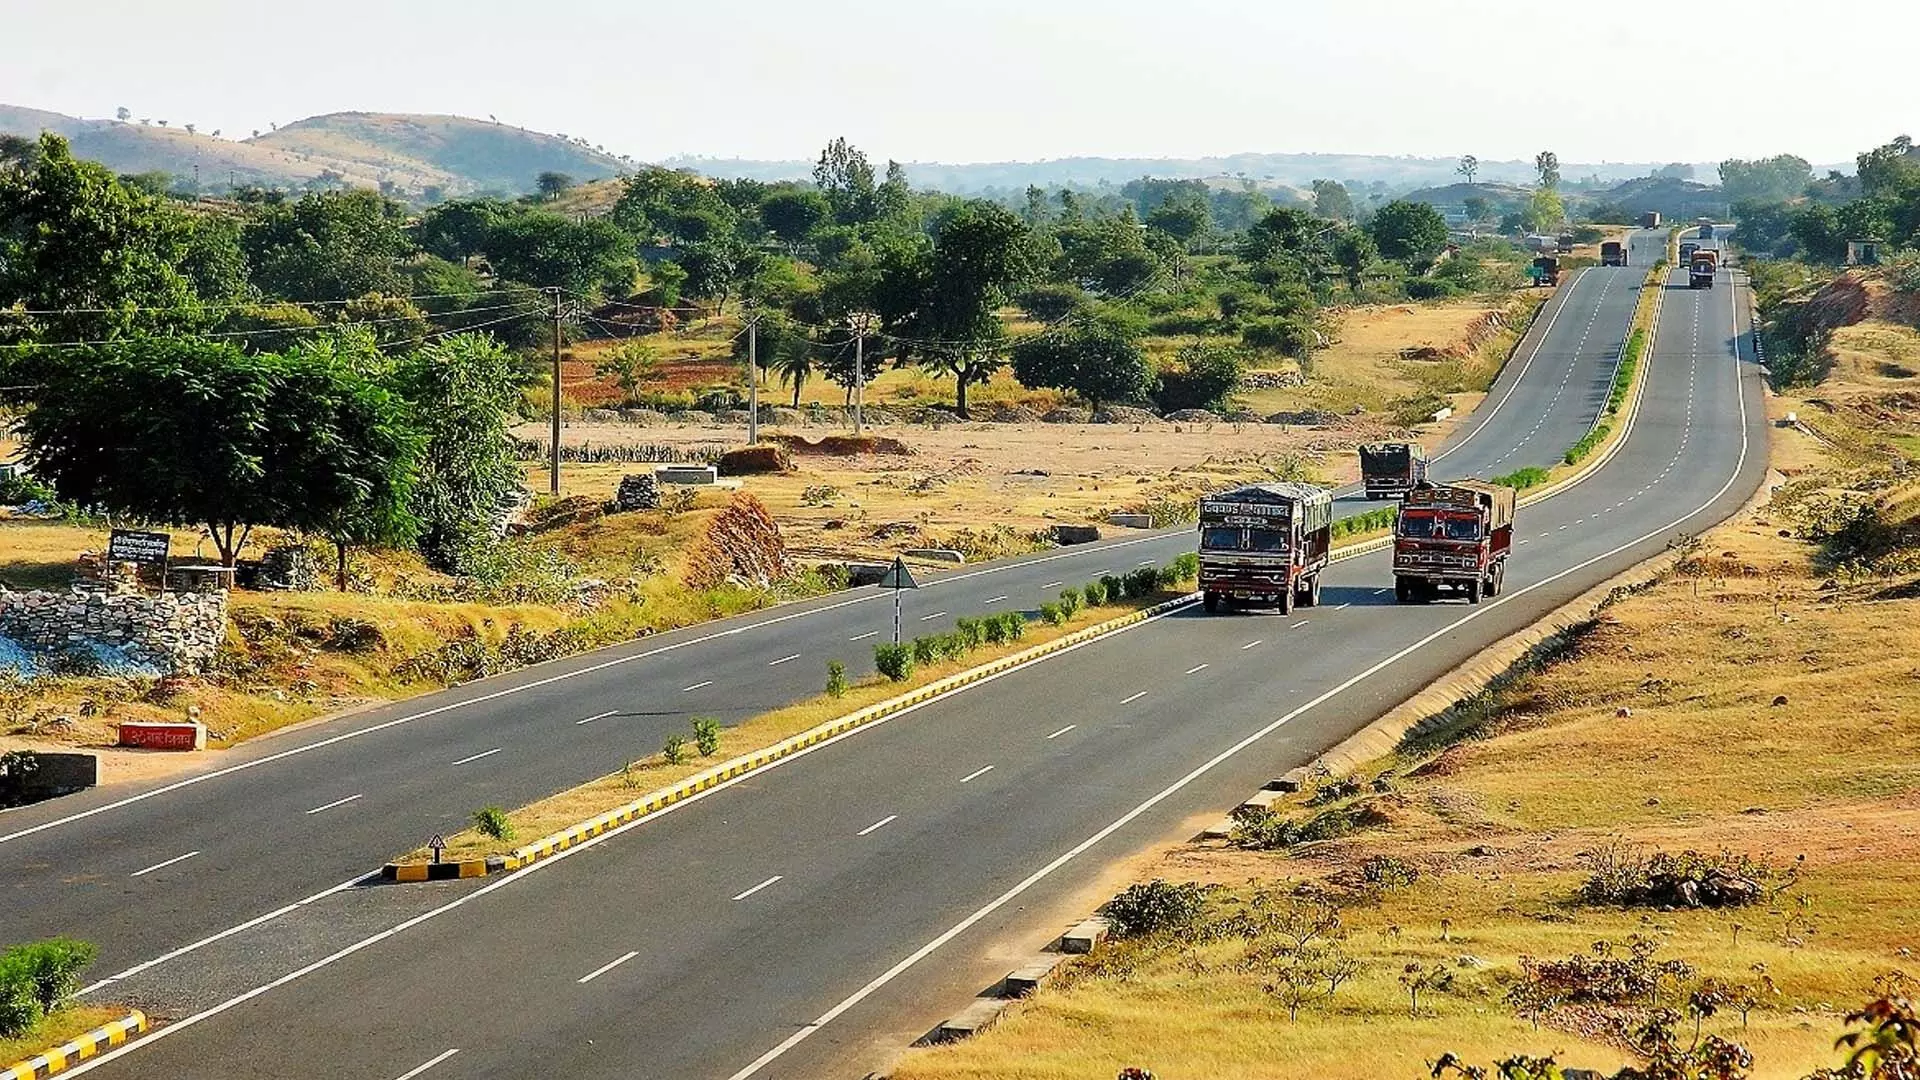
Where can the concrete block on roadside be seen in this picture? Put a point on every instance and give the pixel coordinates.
(866, 573)
(1291, 780)
(1084, 936)
(1075, 534)
(946, 555)
(160, 735)
(687, 474)
(975, 1018)
(60, 774)
(1130, 521)
(1219, 830)
(1032, 975)
(1262, 799)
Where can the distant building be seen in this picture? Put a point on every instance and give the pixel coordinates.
(1864, 252)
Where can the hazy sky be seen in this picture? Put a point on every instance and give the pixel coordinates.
(1012, 79)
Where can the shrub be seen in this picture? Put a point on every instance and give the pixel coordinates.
(1185, 567)
(929, 649)
(706, 735)
(1578, 451)
(491, 821)
(894, 661)
(49, 970)
(674, 750)
(1094, 593)
(1356, 524)
(19, 1010)
(1632, 877)
(836, 679)
(1387, 872)
(1155, 907)
(1053, 614)
(1522, 479)
(1142, 582)
(1016, 625)
(1071, 601)
(972, 633)
(1116, 588)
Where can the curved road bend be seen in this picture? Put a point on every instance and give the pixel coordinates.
(290, 816)
(862, 892)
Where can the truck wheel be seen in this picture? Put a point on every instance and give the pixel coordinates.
(1286, 600)
(1211, 601)
(1473, 591)
(1399, 590)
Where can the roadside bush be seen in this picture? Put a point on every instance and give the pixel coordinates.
(1155, 907)
(19, 1009)
(929, 649)
(706, 735)
(1094, 593)
(1588, 443)
(674, 750)
(1071, 602)
(1633, 877)
(1116, 588)
(1522, 479)
(1387, 872)
(971, 632)
(1184, 567)
(1261, 829)
(1356, 524)
(1053, 614)
(836, 679)
(894, 661)
(48, 970)
(1142, 582)
(491, 821)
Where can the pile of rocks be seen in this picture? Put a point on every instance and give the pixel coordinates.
(638, 491)
(1125, 414)
(1192, 416)
(171, 632)
(1272, 380)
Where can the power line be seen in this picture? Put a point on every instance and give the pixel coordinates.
(317, 328)
(368, 298)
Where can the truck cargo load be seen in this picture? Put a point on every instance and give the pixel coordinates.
(1613, 253)
(1389, 470)
(1453, 536)
(1265, 545)
(1650, 219)
(1701, 265)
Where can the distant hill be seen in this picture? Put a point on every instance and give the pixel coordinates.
(451, 155)
(1677, 199)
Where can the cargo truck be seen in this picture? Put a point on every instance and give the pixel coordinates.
(1700, 268)
(1706, 228)
(1546, 270)
(1687, 248)
(1264, 545)
(1452, 536)
(1389, 470)
(1613, 253)
(1650, 219)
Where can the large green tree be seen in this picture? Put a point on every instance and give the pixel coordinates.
(1774, 179)
(458, 230)
(332, 245)
(1408, 232)
(980, 256)
(105, 259)
(1094, 358)
(464, 391)
(588, 258)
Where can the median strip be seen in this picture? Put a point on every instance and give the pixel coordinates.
(72, 1052)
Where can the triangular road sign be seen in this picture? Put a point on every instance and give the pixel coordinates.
(898, 577)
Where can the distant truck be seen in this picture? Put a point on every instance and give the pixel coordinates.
(1452, 536)
(1264, 545)
(1706, 228)
(1613, 253)
(1389, 470)
(1687, 248)
(1701, 266)
(1546, 270)
(1650, 219)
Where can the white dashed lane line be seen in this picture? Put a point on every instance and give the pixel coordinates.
(865, 636)
(757, 888)
(977, 773)
(1195, 668)
(878, 825)
(481, 754)
(1063, 731)
(695, 686)
(1250, 644)
(334, 803)
(782, 660)
(604, 968)
(595, 716)
(1134, 698)
(163, 865)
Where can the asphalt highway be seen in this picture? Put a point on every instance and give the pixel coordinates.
(802, 921)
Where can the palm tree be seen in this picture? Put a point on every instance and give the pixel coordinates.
(793, 360)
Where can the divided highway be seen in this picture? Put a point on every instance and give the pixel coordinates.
(749, 914)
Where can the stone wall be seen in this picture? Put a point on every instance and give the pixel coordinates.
(175, 632)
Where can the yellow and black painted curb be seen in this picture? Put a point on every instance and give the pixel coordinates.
(682, 790)
(68, 1054)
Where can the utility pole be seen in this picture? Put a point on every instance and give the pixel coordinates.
(553, 469)
(753, 377)
(861, 321)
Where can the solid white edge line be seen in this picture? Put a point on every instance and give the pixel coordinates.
(604, 968)
(163, 865)
(1165, 793)
(554, 860)
(758, 887)
(878, 825)
(418, 1069)
(1483, 419)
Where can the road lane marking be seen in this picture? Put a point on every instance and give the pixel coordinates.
(782, 660)
(995, 599)
(1349, 603)
(596, 716)
(1134, 698)
(481, 754)
(1298, 625)
(169, 862)
(695, 686)
(865, 636)
(977, 773)
(1194, 668)
(935, 615)
(877, 825)
(758, 887)
(1063, 731)
(1146, 562)
(418, 1069)
(603, 969)
(911, 959)
(1053, 584)
(1251, 644)
(334, 803)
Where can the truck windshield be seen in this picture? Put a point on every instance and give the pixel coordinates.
(1220, 538)
(1266, 540)
(1439, 526)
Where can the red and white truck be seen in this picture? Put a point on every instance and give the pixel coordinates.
(1389, 470)
(1264, 545)
(1453, 536)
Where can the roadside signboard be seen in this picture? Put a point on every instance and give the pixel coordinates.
(146, 548)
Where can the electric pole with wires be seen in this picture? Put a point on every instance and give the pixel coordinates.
(553, 465)
(862, 323)
(753, 376)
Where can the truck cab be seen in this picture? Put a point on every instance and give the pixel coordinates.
(1701, 266)
(1453, 537)
(1613, 253)
(1546, 270)
(1264, 545)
